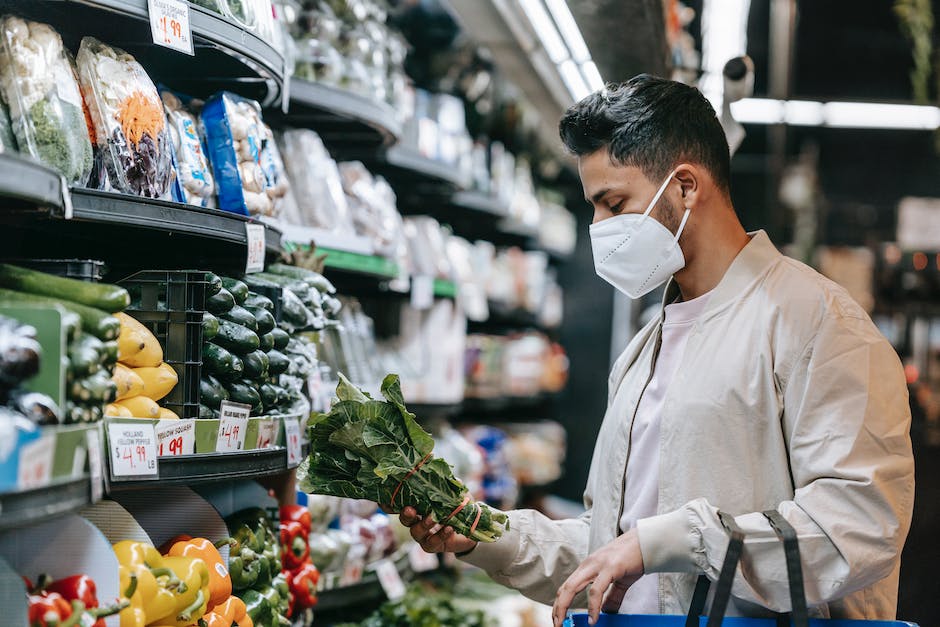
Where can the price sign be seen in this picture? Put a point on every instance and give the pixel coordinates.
(133, 449)
(255, 234)
(233, 425)
(169, 24)
(422, 292)
(292, 435)
(267, 433)
(176, 437)
(390, 580)
(93, 443)
(421, 561)
(35, 463)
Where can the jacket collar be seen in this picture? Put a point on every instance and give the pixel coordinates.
(750, 263)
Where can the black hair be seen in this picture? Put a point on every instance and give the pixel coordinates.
(650, 123)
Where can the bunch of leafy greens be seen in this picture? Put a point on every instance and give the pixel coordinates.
(418, 608)
(370, 449)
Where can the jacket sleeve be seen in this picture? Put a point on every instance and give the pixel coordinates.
(846, 418)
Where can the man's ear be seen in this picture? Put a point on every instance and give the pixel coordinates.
(689, 177)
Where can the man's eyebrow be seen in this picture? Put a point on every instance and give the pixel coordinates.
(597, 197)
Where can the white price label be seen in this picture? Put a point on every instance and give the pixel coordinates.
(233, 426)
(267, 433)
(133, 449)
(93, 441)
(422, 561)
(255, 235)
(292, 436)
(35, 463)
(422, 292)
(176, 437)
(390, 580)
(169, 24)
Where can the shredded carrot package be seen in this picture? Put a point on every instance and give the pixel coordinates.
(138, 115)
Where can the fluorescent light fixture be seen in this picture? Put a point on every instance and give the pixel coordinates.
(758, 111)
(573, 79)
(836, 114)
(592, 76)
(569, 30)
(803, 112)
(545, 30)
(724, 36)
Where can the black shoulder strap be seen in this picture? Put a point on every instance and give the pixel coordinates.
(791, 549)
(728, 569)
(699, 597)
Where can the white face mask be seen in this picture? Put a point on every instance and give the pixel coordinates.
(636, 253)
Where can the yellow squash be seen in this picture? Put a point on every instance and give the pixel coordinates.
(168, 414)
(151, 355)
(128, 382)
(158, 382)
(141, 406)
(117, 411)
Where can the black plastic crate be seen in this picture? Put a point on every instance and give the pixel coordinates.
(171, 303)
(81, 269)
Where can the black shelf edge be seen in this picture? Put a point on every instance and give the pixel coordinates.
(363, 596)
(18, 509)
(405, 164)
(479, 202)
(30, 183)
(212, 468)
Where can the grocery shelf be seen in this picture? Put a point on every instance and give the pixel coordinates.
(445, 289)
(359, 599)
(25, 181)
(18, 509)
(373, 265)
(212, 468)
(479, 202)
(503, 404)
(503, 319)
(413, 174)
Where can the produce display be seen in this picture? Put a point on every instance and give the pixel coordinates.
(302, 575)
(255, 565)
(194, 182)
(421, 607)
(375, 450)
(65, 602)
(37, 83)
(141, 376)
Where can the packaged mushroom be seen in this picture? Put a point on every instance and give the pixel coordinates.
(194, 182)
(276, 175)
(130, 125)
(37, 83)
(236, 136)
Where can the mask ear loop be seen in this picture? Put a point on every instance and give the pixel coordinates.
(659, 193)
(685, 218)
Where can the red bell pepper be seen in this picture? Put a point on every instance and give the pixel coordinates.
(303, 585)
(297, 513)
(50, 609)
(295, 547)
(80, 588)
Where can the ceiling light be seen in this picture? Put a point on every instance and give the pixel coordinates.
(545, 29)
(875, 115)
(724, 36)
(758, 111)
(569, 30)
(573, 80)
(592, 76)
(803, 112)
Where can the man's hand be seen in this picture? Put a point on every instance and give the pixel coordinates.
(432, 537)
(616, 566)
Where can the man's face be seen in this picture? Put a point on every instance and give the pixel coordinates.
(613, 189)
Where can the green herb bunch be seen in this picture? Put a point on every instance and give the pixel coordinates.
(370, 449)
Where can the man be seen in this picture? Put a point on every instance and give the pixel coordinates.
(761, 386)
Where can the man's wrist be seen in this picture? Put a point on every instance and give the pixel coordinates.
(468, 551)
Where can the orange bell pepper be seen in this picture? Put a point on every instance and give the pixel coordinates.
(231, 611)
(220, 582)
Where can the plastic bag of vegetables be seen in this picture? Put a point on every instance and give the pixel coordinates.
(193, 173)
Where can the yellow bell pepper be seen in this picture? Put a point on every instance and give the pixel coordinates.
(191, 601)
(135, 590)
(157, 585)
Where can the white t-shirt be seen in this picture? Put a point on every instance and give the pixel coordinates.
(641, 495)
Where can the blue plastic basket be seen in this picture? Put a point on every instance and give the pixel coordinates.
(636, 620)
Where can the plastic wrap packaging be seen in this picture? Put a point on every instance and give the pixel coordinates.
(37, 83)
(242, 12)
(129, 121)
(317, 187)
(373, 206)
(7, 140)
(277, 184)
(235, 136)
(212, 5)
(193, 172)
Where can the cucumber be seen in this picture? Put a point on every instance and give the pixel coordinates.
(240, 315)
(208, 413)
(265, 321)
(243, 392)
(281, 338)
(99, 323)
(221, 302)
(210, 326)
(97, 388)
(258, 300)
(270, 395)
(109, 298)
(267, 342)
(293, 311)
(237, 288)
(213, 284)
(211, 392)
(278, 363)
(220, 362)
(311, 278)
(256, 365)
(109, 353)
(72, 323)
(236, 338)
(85, 356)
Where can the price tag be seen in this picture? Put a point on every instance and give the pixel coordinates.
(233, 425)
(267, 433)
(420, 560)
(133, 449)
(390, 580)
(292, 436)
(255, 234)
(176, 437)
(422, 292)
(169, 24)
(93, 442)
(35, 463)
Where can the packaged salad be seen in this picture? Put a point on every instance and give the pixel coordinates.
(235, 137)
(317, 186)
(193, 173)
(129, 121)
(38, 85)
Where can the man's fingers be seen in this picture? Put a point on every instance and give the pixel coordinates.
(408, 516)
(614, 598)
(566, 593)
(596, 595)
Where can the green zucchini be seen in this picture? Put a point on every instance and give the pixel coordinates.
(240, 315)
(265, 321)
(109, 298)
(213, 284)
(311, 278)
(85, 356)
(243, 392)
(293, 311)
(258, 300)
(97, 388)
(77, 412)
(270, 395)
(207, 413)
(281, 338)
(278, 363)
(237, 288)
(99, 323)
(256, 365)
(221, 302)
(236, 338)
(211, 392)
(267, 342)
(210, 326)
(220, 362)
(109, 353)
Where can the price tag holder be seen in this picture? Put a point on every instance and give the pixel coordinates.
(422, 292)
(255, 236)
(93, 442)
(390, 580)
(132, 449)
(233, 426)
(421, 561)
(292, 438)
(169, 24)
(34, 469)
(176, 437)
(267, 433)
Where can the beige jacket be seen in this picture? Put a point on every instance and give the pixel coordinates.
(787, 397)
